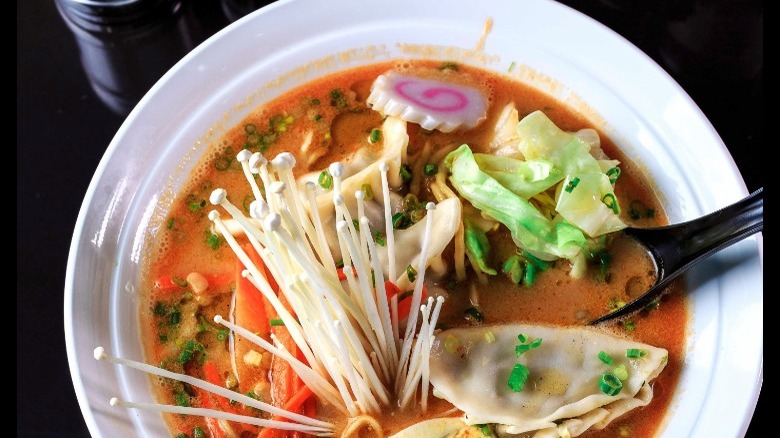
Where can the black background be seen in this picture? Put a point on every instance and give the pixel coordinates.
(68, 110)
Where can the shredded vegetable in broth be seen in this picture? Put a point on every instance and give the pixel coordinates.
(408, 249)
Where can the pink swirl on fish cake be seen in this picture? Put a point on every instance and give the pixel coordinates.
(433, 98)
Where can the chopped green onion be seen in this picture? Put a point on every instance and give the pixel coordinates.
(182, 435)
(610, 385)
(485, 429)
(401, 221)
(356, 224)
(451, 344)
(325, 180)
(170, 223)
(637, 210)
(530, 274)
(182, 399)
(653, 304)
(605, 357)
(189, 349)
(490, 337)
(337, 98)
(417, 215)
(522, 338)
(276, 322)
(315, 101)
(512, 66)
(178, 281)
(368, 192)
(410, 203)
(375, 136)
(522, 348)
(430, 169)
(317, 117)
(405, 172)
(174, 317)
(474, 315)
(610, 201)
(213, 241)
(411, 273)
(635, 353)
(514, 269)
(629, 326)
(195, 206)
(378, 238)
(572, 184)
(613, 174)
(621, 372)
(539, 263)
(615, 303)
(518, 377)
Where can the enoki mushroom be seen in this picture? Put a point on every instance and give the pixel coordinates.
(357, 357)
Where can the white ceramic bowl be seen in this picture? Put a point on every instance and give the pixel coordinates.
(579, 60)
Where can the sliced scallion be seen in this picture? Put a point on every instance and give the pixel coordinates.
(401, 221)
(605, 357)
(411, 273)
(635, 353)
(518, 377)
(368, 192)
(405, 172)
(610, 384)
(430, 169)
(375, 136)
(621, 372)
(451, 344)
(613, 174)
(522, 348)
(325, 180)
(572, 184)
(610, 201)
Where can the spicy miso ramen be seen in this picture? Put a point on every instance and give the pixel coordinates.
(410, 249)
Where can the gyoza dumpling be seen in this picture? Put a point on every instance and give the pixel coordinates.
(359, 171)
(363, 168)
(408, 242)
(471, 367)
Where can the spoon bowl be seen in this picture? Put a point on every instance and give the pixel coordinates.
(676, 248)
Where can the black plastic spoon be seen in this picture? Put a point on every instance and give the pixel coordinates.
(676, 248)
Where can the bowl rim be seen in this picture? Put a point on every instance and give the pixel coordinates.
(94, 236)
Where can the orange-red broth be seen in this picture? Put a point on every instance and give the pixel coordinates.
(341, 126)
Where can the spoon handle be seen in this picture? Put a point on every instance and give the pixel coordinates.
(677, 247)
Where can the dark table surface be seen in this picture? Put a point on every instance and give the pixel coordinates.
(74, 89)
